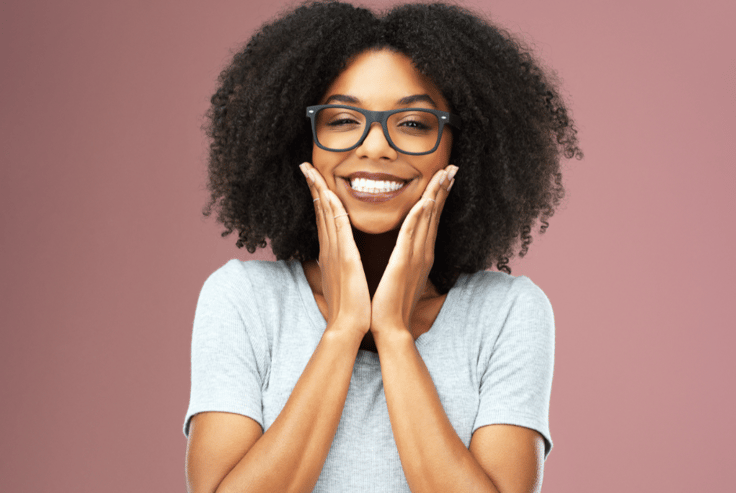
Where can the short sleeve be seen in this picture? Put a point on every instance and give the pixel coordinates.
(516, 371)
(228, 348)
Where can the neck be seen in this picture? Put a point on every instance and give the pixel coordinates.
(375, 251)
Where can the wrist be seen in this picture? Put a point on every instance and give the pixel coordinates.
(391, 335)
(344, 334)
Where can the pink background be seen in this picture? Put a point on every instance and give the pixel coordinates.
(104, 249)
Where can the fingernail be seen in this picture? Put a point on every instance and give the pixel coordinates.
(451, 174)
(442, 178)
(302, 167)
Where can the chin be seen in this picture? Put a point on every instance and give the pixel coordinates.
(375, 226)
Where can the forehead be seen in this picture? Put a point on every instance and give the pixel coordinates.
(381, 78)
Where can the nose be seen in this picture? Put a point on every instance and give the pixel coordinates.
(376, 145)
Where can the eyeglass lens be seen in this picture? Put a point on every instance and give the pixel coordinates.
(410, 131)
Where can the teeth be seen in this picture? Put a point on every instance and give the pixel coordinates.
(375, 186)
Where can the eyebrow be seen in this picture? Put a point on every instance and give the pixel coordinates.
(342, 98)
(417, 98)
(405, 101)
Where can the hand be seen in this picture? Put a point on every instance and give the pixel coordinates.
(344, 285)
(408, 268)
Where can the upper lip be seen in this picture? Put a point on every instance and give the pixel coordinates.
(375, 176)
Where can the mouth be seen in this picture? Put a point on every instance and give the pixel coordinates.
(375, 182)
(374, 187)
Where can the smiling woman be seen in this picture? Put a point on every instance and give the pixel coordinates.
(368, 166)
(377, 353)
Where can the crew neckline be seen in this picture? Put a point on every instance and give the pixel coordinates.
(319, 322)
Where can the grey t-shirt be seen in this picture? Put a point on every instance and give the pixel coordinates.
(490, 353)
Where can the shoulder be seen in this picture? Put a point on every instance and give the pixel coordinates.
(514, 353)
(235, 271)
(249, 286)
(494, 308)
(245, 297)
(495, 290)
(249, 275)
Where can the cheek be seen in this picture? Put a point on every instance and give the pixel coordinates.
(317, 156)
(325, 162)
(440, 158)
(446, 146)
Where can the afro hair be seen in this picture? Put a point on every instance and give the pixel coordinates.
(516, 128)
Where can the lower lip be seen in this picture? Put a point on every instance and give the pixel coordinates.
(373, 197)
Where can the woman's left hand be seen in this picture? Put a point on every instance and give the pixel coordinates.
(408, 268)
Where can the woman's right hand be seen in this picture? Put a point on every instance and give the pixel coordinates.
(344, 284)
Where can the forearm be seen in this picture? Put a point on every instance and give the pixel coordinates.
(432, 455)
(290, 454)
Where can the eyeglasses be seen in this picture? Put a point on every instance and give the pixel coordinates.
(414, 131)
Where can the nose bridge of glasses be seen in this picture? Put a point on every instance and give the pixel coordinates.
(374, 126)
(376, 141)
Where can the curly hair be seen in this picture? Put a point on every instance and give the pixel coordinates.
(515, 129)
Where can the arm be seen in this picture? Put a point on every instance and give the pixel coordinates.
(501, 458)
(227, 453)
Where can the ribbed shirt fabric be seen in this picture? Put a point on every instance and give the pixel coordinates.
(490, 353)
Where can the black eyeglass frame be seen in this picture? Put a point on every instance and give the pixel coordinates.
(382, 117)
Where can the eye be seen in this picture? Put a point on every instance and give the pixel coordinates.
(341, 121)
(417, 124)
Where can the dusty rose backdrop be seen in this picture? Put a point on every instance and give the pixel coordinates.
(104, 250)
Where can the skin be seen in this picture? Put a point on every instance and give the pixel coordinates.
(371, 284)
(376, 226)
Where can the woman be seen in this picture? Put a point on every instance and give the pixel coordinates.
(377, 354)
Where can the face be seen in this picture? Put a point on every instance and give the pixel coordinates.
(380, 80)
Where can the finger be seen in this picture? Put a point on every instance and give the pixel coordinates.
(423, 227)
(305, 167)
(436, 186)
(308, 175)
(424, 240)
(344, 233)
(327, 214)
(341, 217)
(334, 212)
(322, 210)
(445, 184)
(424, 208)
(432, 192)
(322, 236)
(404, 242)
